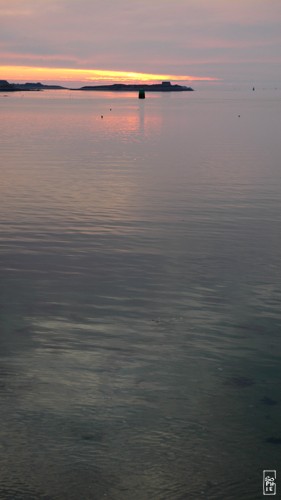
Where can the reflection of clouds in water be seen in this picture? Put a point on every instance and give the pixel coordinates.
(137, 271)
(91, 172)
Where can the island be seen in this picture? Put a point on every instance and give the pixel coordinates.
(129, 87)
(5, 86)
(39, 86)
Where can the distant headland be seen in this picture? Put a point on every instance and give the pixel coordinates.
(5, 86)
(14, 87)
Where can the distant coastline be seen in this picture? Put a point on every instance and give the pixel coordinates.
(5, 86)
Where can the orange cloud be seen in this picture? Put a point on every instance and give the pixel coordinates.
(89, 75)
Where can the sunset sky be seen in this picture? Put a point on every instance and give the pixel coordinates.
(198, 42)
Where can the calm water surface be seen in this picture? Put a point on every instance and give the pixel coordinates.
(140, 291)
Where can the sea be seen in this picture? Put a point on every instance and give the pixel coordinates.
(140, 295)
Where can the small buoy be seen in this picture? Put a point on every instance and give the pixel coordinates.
(101, 116)
(141, 94)
(238, 116)
(110, 109)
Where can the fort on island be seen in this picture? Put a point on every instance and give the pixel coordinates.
(154, 87)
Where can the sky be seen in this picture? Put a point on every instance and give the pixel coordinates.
(230, 43)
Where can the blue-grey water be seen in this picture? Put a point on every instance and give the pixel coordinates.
(140, 292)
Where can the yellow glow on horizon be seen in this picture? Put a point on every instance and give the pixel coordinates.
(30, 73)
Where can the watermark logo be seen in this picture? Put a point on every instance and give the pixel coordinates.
(269, 482)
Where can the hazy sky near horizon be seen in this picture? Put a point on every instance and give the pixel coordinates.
(237, 42)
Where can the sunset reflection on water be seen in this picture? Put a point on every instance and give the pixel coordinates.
(140, 289)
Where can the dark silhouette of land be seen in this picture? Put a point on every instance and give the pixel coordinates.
(39, 86)
(155, 87)
(15, 87)
(5, 86)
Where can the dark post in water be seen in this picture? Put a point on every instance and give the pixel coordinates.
(141, 94)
